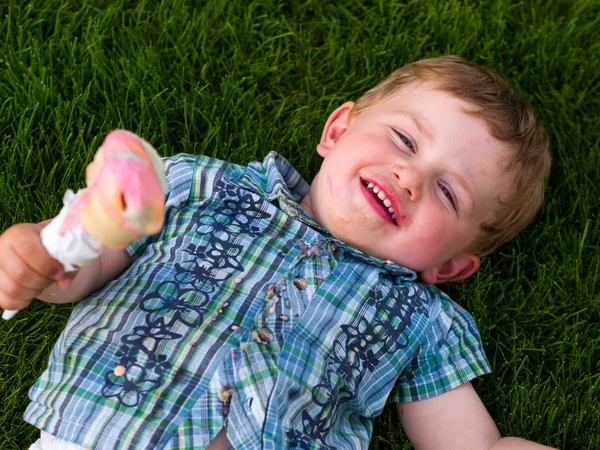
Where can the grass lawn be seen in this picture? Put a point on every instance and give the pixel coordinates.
(235, 79)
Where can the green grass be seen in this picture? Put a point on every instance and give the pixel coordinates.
(238, 78)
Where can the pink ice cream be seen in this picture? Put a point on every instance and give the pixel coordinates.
(124, 199)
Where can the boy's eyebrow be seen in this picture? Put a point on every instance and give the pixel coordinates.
(418, 123)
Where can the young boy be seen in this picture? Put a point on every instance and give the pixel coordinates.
(273, 314)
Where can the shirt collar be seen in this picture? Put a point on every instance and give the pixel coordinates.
(278, 181)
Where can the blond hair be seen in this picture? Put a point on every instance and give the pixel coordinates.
(509, 119)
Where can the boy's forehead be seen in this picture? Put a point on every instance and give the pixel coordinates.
(437, 114)
(428, 108)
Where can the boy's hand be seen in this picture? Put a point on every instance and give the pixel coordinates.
(26, 268)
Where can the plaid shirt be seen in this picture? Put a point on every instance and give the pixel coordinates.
(243, 312)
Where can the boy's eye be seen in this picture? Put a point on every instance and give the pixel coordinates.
(448, 195)
(406, 141)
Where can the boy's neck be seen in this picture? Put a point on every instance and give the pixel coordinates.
(306, 205)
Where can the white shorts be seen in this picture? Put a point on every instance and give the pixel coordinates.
(49, 442)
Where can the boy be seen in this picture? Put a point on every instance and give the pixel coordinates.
(270, 313)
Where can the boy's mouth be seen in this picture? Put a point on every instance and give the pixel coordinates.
(379, 201)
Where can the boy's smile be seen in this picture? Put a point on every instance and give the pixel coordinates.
(409, 180)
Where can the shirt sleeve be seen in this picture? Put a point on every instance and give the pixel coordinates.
(451, 354)
(179, 172)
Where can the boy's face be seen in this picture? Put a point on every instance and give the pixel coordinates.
(408, 180)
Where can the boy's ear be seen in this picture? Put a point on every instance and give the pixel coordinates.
(455, 269)
(336, 125)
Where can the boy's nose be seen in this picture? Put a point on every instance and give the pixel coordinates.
(410, 179)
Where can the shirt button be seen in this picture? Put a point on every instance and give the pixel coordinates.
(120, 371)
(331, 248)
(225, 394)
(300, 283)
(265, 335)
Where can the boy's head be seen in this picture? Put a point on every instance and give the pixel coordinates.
(434, 167)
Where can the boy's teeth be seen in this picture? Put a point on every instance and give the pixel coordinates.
(383, 198)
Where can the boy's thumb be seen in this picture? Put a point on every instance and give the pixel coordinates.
(64, 282)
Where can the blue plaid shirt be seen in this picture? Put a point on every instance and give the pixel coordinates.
(245, 313)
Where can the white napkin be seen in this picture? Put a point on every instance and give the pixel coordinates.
(75, 247)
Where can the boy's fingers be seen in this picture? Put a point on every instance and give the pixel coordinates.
(9, 304)
(29, 248)
(13, 295)
(65, 281)
(20, 271)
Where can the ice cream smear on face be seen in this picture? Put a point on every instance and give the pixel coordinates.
(335, 189)
(332, 187)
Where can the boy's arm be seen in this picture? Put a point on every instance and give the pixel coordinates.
(457, 420)
(90, 278)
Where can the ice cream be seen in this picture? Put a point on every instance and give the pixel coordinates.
(123, 201)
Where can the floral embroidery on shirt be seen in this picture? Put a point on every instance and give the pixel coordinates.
(357, 350)
(184, 301)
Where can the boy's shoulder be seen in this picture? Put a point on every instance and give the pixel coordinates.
(190, 175)
(268, 178)
(183, 161)
(188, 163)
(441, 310)
(446, 310)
